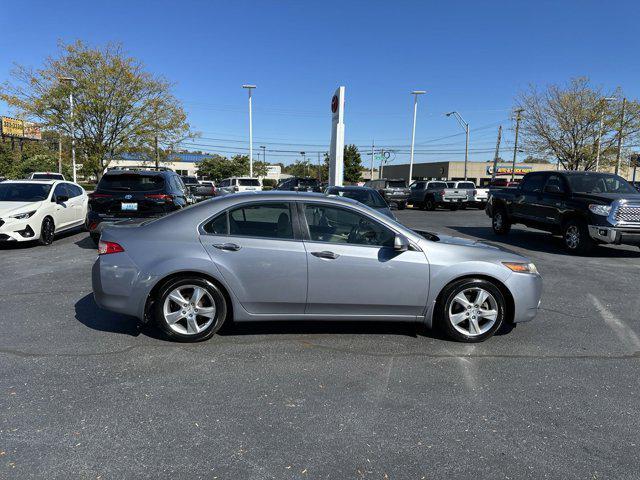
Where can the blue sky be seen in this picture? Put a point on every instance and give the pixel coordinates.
(473, 57)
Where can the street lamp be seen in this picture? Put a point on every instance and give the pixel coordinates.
(415, 94)
(604, 102)
(71, 81)
(249, 88)
(465, 126)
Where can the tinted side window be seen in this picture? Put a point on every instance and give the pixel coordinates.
(533, 183)
(556, 180)
(61, 189)
(339, 225)
(269, 220)
(217, 226)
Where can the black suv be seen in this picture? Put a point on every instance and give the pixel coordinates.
(299, 184)
(393, 191)
(586, 208)
(134, 195)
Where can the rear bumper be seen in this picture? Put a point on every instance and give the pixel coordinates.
(615, 235)
(454, 199)
(527, 292)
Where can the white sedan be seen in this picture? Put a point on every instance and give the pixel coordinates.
(37, 210)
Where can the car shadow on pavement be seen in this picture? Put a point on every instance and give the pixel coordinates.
(539, 242)
(92, 316)
(87, 243)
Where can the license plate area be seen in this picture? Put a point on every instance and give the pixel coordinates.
(129, 206)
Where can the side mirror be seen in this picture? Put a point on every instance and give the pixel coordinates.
(400, 244)
(61, 198)
(553, 189)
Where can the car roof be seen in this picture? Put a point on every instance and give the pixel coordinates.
(37, 182)
(351, 187)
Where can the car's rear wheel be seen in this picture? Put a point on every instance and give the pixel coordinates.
(190, 309)
(471, 310)
(47, 232)
(429, 204)
(575, 235)
(499, 222)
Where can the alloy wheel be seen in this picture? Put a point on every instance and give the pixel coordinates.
(572, 237)
(497, 221)
(189, 309)
(47, 232)
(473, 311)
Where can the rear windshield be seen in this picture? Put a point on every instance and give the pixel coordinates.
(466, 185)
(396, 184)
(189, 179)
(371, 198)
(131, 182)
(438, 185)
(248, 182)
(47, 176)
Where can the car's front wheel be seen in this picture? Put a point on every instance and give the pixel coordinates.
(190, 309)
(575, 235)
(471, 310)
(47, 231)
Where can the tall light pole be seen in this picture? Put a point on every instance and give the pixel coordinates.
(71, 80)
(465, 126)
(249, 89)
(620, 133)
(515, 143)
(599, 141)
(415, 94)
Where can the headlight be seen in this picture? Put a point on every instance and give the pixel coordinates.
(600, 209)
(521, 267)
(22, 216)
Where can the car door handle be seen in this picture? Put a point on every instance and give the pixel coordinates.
(231, 247)
(325, 254)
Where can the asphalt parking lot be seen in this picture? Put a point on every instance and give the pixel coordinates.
(85, 393)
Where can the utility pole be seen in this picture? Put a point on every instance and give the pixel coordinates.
(59, 152)
(71, 80)
(515, 145)
(497, 155)
(264, 153)
(319, 169)
(372, 157)
(157, 151)
(250, 88)
(415, 94)
(381, 161)
(465, 126)
(620, 133)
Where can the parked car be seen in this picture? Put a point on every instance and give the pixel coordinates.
(239, 184)
(205, 190)
(393, 191)
(39, 209)
(586, 208)
(134, 196)
(192, 184)
(429, 194)
(365, 195)
(299, 184)
(301, 256)
(476, 197)
(46, 176)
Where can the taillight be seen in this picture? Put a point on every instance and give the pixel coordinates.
(106, 248)
(475, 192)
(442, 192)
(99, 195)
(159, 196)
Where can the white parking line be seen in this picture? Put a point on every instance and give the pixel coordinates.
(621, 329)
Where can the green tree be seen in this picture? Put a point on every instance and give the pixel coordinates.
(218, 167)
(119, 106)
(352, 164)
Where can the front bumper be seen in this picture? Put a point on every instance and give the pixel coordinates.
(527, 293)
(13, 230)
(615, 235)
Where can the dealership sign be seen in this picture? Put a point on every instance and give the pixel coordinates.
(14, 128)
(507, 170)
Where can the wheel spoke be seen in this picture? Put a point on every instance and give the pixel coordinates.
(198, 293)
(173, 317)
(177, 297)
(462, 299)
(456, 318)
(474, 328)
(208, 312)
(488, 314)
(192, 325)
(481, 297)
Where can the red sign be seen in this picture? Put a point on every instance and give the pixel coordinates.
(334, 104)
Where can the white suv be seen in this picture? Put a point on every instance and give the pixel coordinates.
(239, 184)
(46, 176)
(38, 209)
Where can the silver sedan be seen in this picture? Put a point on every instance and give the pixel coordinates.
(299, 256)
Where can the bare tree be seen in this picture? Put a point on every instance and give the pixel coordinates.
(563, 123)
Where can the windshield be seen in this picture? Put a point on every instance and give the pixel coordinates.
(23, 192)
(396, 184)
(248, 182)
(466, 185)
(131, 182)
(370, 198)
(599, 183)
(47, 176)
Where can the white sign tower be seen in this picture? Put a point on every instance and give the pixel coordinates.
(336, 153)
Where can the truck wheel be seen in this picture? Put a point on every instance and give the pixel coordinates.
(575, 235)
(500, 222)
(429, 204)
(401, 205)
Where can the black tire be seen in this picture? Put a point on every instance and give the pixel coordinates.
(447, 303)
(575, 237)
(216, 297)
(402, 205)
(429, 204)
(500, 222)
(47, 231)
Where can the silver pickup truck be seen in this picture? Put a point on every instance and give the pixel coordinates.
(477, 196)
(429, 194)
